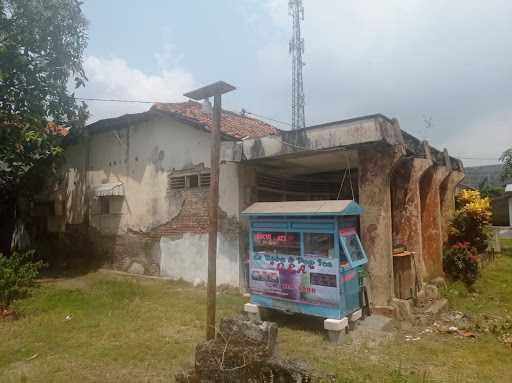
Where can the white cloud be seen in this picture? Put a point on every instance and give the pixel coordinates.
(114, 78)
(406, 59)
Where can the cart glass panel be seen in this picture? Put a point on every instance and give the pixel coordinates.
(281, 268)
(352, 245)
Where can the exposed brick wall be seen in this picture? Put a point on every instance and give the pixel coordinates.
(192, 218)
(121, 252)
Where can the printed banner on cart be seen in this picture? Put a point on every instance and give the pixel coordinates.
(277, 268)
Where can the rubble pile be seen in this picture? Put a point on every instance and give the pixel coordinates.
(245, 351)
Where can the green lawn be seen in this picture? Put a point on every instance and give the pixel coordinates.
(126, 329)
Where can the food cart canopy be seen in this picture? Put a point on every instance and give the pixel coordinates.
(329, 207)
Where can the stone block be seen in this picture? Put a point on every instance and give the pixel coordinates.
(439, 282)
(354, 318)
(253, 312)
(388, 311)
(356, 315)
(437, 307)
(136, 268)
(336, 324)
(403, 309)
(431, 291)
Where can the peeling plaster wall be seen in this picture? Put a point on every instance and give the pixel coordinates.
(187, 258)
(345, 133)
(146, 228)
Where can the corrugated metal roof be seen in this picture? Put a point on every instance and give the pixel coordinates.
(329, 207)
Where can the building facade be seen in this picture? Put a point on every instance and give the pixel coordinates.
(139, 185)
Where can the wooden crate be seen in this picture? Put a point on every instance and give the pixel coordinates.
(403, 270)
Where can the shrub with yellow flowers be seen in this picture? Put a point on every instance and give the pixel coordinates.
(467, 236)
(471, 220)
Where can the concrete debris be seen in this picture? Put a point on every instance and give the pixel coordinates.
(439, 282)
(136, 268)
(431, 291)
(245, 351)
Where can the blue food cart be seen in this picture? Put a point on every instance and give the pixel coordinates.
(306, 257)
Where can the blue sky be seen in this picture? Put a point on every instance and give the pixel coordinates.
(445, 60)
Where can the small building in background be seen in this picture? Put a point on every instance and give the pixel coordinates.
(502, 208)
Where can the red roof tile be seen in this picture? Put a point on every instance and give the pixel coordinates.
(56, 129)
(232, 123)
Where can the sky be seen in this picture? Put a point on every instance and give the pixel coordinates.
(443, 68)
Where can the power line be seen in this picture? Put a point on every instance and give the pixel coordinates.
(244, 112)
(478, 158)
(117, 100)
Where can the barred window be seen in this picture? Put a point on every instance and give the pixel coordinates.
(189, 181)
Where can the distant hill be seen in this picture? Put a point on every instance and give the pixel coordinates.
(476, 175)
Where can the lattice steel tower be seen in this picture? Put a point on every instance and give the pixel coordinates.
(296, 10)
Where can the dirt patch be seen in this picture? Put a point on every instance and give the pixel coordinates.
(8, 314)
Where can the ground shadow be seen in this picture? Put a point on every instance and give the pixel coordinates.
(299, 322)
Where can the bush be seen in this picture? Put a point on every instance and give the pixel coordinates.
(17, 275)
(461, 262)
(470, 220)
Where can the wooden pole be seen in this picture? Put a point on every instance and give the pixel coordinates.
(213, 219)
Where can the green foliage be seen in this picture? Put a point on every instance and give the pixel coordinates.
(470, 220)
(506, 158)
(41, 49)
(17, 274)
(490, 191)
(460, 262)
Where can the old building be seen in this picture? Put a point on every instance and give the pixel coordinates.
(502, 208)
(138, 183)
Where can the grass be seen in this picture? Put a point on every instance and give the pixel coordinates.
(137, 330)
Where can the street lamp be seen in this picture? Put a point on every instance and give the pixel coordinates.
(215, 90)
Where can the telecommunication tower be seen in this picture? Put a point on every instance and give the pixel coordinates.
(296, 10)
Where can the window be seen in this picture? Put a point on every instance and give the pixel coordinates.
(277, 243)
(354, 248)
(189, 181)
(204, 180)
(350, 240)
(193, 181)
(318, 245)
(343, 257)
(104, 205)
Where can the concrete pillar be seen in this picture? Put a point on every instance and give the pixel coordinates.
(431, 221)
(406, 206)
(375, 167)
(447, 196)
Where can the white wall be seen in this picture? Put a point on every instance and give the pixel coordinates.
(141, 157)
(187, 258)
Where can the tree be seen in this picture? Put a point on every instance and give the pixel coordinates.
(490, 191)
(41, 49)
(506, 158)
(470, 220)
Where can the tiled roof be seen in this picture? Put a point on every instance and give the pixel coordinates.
(53, 128)
(232, 124)
(58, 130)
